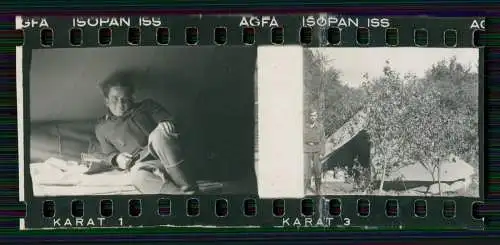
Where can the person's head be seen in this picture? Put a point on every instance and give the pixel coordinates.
(313, 116)
(118, 91)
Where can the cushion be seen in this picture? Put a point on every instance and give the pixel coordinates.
(65, 140)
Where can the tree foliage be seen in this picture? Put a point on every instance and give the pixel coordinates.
(324, 92)
(410, 119)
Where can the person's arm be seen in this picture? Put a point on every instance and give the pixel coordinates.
(158, 113)
(108, 150)
(164, 120)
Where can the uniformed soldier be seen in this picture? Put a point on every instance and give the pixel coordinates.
(314, 141)
(143, 138)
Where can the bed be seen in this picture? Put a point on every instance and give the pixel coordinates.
(51, 181)
(55, 164)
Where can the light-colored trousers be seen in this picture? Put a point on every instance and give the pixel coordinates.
(162, 169)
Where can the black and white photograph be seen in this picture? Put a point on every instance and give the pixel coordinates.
(391, 121)
(140, 120)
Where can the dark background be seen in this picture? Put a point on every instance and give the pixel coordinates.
(208, 92)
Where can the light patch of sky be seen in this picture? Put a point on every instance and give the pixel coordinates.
(354, 62)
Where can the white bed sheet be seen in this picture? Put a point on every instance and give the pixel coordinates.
(49, 180)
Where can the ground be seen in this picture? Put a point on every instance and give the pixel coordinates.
(341, 188)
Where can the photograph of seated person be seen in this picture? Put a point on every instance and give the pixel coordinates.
(142, 137)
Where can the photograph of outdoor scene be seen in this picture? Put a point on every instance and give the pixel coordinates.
(391, 121)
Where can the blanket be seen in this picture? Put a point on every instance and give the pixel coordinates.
(56, 177)
(51, 180)
(65, 140)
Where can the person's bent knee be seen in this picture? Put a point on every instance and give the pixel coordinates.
(166, 147)
(159, 133)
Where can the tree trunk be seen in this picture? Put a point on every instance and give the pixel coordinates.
(439, 177)
(381, 188)
(384, 168)
(322, 95)
(433, 167)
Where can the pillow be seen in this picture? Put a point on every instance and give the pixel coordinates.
(65, 140)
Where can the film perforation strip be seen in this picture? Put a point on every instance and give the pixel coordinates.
(134, 36)
(360, 210)
(105, 36)
(193, 207)
(277, 35)
(135, 207)
(106, 208)
(77, 209)
(163, 35)
(192, 35)
(363, 36)
(420, 208)
(249, 208)
(334, 36)
(76, 37)
(392, 37)
(220, 35)
(248, 36)
(450, 38)
(305, 36)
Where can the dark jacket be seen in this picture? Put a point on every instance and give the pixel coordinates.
(130, 132)
(314, 138)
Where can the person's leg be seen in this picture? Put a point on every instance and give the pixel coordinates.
(148, 178)
(167, 149)
(316, 172)
(307, 172)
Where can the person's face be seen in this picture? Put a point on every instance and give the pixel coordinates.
(314, 116)
(118, 101)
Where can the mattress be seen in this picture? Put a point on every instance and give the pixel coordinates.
(50, 181)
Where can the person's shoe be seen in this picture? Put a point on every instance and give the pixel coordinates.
(190, 190)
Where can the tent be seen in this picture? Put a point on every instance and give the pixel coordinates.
(454, 172)
(349, 142)
(346, 133)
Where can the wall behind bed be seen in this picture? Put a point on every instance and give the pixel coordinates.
(208, 89)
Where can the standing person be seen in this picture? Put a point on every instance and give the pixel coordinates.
(314, 141)
(143, 138)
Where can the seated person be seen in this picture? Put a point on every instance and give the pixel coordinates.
(142, 137)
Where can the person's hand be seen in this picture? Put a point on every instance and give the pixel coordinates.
(123, 159)
(166, 127)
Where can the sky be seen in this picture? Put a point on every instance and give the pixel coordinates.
(354, 62)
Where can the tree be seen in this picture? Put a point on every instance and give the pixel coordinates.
(384, 106)
(325, 92)
(422, 120)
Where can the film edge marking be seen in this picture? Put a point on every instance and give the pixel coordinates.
(20, 138)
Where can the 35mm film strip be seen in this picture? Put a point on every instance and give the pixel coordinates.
(249, 32)
(314, 120)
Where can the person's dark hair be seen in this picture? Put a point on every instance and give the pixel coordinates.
(121, 79)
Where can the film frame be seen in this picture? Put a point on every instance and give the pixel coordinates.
(269, 212)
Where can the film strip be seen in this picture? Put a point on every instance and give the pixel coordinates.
(230, 121)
